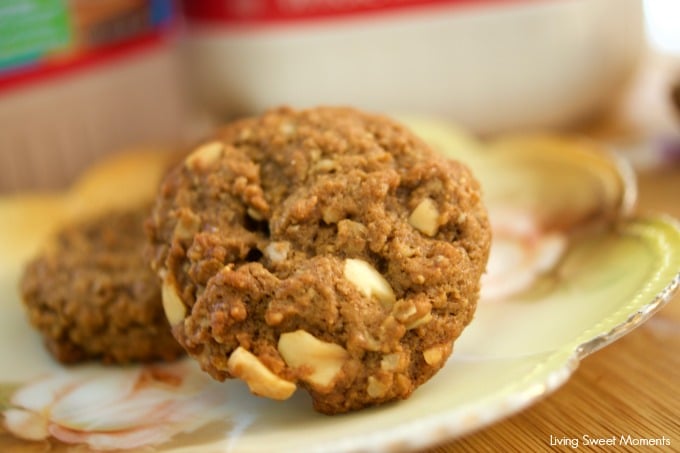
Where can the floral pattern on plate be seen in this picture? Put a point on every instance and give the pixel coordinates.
(115, 408)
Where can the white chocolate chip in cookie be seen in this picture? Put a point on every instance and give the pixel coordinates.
(174, 308)
(204, 156)
(369, 281)
(425, 217)
(261, 381)
(324, 360)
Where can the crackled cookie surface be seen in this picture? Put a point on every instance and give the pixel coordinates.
(91, 293)
(327, 249)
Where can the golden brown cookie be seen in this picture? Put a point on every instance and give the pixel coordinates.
(325, 248)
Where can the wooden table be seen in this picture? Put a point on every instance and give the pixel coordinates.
(630, 387)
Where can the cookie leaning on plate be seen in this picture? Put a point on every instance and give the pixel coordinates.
(325, 248)
(92, 295)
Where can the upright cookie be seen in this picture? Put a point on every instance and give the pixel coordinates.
(92, 295)
(325, 248)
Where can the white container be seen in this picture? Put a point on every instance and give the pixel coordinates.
(489, 65)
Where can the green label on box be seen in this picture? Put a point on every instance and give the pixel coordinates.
(29, 29)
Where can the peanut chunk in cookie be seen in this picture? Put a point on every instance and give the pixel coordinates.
(376, 388)
(436, 354)
(425, 217)
(419, 322)
(392, 362)
(204, 156)
(261, 381)
(174, 309)
(187, 225)
(302, 349)
(277, 251)
(369, 281)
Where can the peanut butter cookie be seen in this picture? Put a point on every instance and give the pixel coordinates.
(327, 248)
(92, 295)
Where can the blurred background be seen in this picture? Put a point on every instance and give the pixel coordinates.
(83, 78)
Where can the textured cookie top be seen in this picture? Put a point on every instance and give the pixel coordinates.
(327, 247)
(92, 295)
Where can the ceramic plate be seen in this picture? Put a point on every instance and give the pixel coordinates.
(571, 271)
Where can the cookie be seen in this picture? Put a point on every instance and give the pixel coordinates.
(92, 295)
(328, 249)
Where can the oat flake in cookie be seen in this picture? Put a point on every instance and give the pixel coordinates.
(91, 293)
(325, 248)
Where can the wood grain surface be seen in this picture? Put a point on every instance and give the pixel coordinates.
(631, 387)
